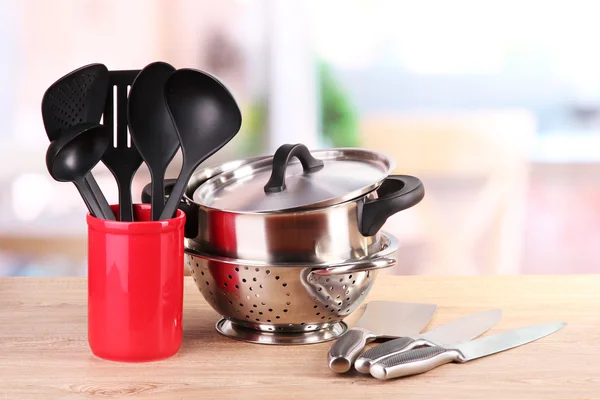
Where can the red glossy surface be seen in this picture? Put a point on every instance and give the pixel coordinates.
(135, 286)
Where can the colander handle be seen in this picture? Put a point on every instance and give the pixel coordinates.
(357, 266)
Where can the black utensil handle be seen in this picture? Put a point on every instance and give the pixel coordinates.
(158, 196)
(282, 157)
(88, 198)
(107, 212)
(177, 191)
(125, 202)
(190, 210)
(396, 193)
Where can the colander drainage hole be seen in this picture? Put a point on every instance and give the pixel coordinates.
(344, 287)
(247, 297)
(348, 310)
(254, 279)
(225, 284)
(258, 320)
(341, 279)
(338, 296)
(270, 329)
(270, 310)
(250, 288)
(327, 280)
(277, 278)
(256, 269)
(347, 298)
(237, 269)
(320, 289)
(260, 313)
(202, 272)
(268, 272)
(285, 310)
(244, 280)
(241, 304)
(252, 311)
(269, 321)
(246, 268)
(284, 285)
(323, 317)
(277, 317)
(326, 305)
(257, 295)
(263, 303)
(254, 305)
(331, 288)
(229, 276)
(353, 282)
(289, 303)
(195, 279)
(350, 277)
(318, 313)
(237, 286)
(302, 323)
(230, 302)
(247, 316)
(317, 306)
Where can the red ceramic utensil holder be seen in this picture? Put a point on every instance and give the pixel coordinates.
(135, 286)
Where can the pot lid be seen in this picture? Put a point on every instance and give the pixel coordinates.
(295, 178)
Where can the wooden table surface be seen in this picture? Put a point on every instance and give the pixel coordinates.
(44, 352)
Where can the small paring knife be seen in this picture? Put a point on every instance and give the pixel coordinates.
(458, 331)
(381, 319)
(424, 359)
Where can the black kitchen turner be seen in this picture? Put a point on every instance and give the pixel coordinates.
(206, 118)
(78, 98)
(122, 158)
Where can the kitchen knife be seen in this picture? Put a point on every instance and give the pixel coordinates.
(381, 319)
(461, 330)
(425, 359)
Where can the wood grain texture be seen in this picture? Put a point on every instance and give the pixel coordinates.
(44, 352)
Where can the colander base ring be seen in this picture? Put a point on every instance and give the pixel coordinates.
(227, 328)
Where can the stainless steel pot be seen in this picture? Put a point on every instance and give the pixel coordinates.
(328, 207)
(289, 297)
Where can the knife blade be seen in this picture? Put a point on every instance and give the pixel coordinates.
(381, 319)
(425, 359)
(458, 331)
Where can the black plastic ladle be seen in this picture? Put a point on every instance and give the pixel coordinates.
(73, 155)
(206, 118)
(151, 127)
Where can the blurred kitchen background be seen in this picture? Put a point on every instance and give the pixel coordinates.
(494, 104)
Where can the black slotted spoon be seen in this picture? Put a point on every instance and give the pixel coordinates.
(78, 98)
(122, 159)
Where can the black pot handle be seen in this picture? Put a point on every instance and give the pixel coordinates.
(190, 210)
(282, 157)
(396, 193)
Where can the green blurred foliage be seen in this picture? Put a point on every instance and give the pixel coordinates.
(338, 118)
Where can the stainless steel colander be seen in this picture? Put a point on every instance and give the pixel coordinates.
(287, 297)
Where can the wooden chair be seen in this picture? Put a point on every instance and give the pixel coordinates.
(475, 170)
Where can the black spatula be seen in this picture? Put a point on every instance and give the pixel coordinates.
(122, 159)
